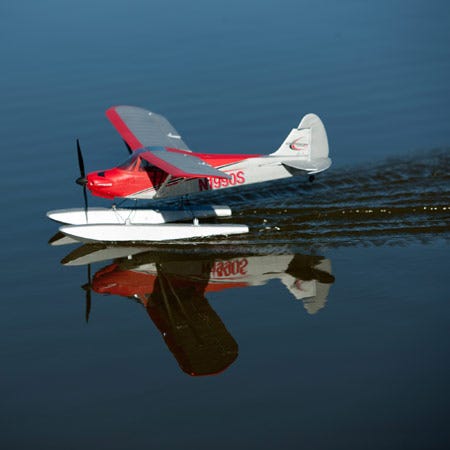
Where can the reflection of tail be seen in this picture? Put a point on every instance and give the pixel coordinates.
(309, 279)
(322, 288)
(306, 147)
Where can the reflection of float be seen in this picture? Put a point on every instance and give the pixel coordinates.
(172, 288)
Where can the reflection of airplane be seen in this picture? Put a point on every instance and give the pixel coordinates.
(172, 288)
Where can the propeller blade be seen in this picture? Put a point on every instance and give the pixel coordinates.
(80, 160)
(85, 202)
(82, 180)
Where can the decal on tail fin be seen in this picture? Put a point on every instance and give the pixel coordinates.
(308, 141)
(306, 147)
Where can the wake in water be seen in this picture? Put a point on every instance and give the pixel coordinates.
(396, 201)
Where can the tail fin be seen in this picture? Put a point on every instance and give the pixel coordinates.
(308, 140)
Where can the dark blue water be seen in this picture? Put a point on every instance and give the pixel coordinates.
(328, 323)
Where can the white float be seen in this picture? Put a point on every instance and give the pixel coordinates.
(148, 233)
(77, 216)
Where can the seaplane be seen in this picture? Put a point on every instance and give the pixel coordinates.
(161, 166)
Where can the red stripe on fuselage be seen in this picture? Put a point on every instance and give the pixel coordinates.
(122, 128)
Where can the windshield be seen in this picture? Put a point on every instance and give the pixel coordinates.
(130, 163)
(136, 163)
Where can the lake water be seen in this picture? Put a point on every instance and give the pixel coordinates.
(327, 326)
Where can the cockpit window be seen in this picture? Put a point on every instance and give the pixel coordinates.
(136, 163)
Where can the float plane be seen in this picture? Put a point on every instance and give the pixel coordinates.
(162, 166)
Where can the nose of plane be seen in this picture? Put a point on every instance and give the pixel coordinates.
(93, 180)
(98, 185)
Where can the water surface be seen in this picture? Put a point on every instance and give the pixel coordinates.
(327, 325)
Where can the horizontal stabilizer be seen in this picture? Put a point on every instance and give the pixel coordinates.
(180, 164)
(314, 166)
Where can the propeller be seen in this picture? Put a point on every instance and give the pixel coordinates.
(82, 180)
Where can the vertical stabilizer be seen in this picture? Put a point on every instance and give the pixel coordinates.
(308, 141)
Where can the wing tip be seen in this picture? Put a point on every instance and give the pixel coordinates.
(120, 125)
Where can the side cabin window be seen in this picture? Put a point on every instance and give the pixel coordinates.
(145, 166)
(156, 175)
